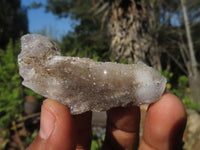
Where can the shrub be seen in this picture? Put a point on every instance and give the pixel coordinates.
(11, 99)
(181, 89)
(12, 93)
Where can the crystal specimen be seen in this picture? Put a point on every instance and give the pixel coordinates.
(83, 84)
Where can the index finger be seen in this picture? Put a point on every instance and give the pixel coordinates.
(83, 130)
(122, 130)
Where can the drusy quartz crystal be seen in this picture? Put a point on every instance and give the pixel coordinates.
(83, 84)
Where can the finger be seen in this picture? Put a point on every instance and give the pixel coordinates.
(164, 124)
(56, 128)
(83, 130)
(122, 128)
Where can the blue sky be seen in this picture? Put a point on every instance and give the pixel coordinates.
(39, 20)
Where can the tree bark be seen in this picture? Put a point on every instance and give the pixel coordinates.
(193, 62)
(193, 73)
(127, 30)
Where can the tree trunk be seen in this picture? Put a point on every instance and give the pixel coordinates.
(130, 37)
(193, 62)
(127, 27)
(193, 73)
(195, 89)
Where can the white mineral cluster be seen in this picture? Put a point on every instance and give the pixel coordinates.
(83, 84)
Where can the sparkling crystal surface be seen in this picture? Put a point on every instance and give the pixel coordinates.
(83, 84)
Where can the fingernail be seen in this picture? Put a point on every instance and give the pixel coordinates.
(47, 123)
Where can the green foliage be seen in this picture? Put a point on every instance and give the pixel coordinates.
(168, 75)
(74, 8)
(10, 85)
(183, 81)
(29, 92)
(11, 91)
(124, 62)
(189, 104)
(181, 90)
(94, 51)
(86, 42)
(35, 5)
(88, 38)
(13, 21)
(30, 139)
(96, 142)
(6, 140)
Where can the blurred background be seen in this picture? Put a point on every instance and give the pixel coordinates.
(164, 34)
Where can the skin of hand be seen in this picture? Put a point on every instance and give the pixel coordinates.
(163, 128)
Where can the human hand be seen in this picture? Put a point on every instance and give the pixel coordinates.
(163, 128)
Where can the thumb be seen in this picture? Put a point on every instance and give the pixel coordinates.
(56, 128)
